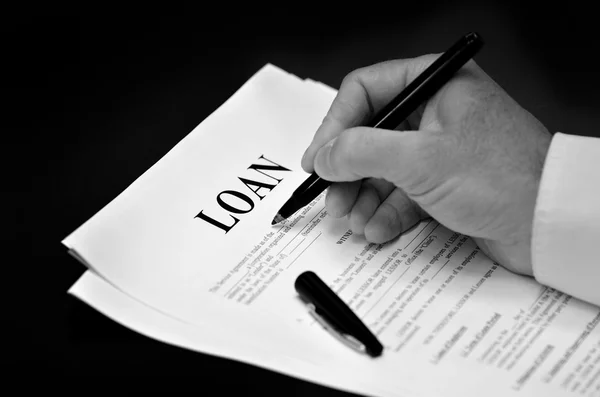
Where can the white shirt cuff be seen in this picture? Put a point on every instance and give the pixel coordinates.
(566, 228)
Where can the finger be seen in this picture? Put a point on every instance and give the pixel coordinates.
(365, 206)
(393, 216)
(372, 193)
(382, 187)
(406, 158)
(341, 197)
(362, 94)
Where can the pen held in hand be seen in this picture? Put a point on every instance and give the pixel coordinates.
(395, 112)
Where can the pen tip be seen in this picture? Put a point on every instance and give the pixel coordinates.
(278, 218)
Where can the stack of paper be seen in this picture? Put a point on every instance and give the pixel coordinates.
(187, 255)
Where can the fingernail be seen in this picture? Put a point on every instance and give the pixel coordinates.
(322, 159)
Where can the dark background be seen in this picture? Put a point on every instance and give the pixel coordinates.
(93, 99)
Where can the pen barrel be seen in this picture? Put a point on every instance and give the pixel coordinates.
(304, 194)
(426, 84)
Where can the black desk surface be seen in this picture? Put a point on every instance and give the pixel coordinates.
(95, 100)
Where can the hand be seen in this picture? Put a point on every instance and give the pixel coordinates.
(471, 158)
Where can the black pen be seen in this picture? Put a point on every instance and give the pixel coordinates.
(406, 102)
(335, 316)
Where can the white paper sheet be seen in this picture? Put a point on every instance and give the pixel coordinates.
(218, 272)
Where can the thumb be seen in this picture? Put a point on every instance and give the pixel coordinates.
(412, 160)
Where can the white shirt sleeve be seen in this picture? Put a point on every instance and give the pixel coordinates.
(566, 227)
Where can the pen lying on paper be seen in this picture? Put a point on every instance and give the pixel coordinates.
(409, 99)
(335, 316)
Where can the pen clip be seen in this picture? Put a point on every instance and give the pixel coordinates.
(345, 338)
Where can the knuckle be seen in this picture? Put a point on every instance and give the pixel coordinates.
(343, 108)
(352, 77)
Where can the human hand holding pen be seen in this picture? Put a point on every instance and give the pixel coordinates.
(471, 158)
